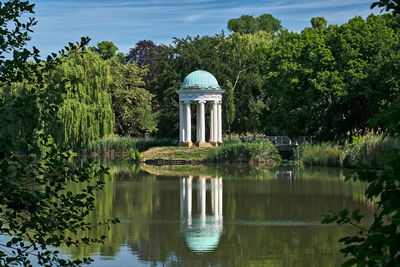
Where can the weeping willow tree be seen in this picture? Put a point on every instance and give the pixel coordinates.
(85, 114)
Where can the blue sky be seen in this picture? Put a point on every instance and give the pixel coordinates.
(126, 22)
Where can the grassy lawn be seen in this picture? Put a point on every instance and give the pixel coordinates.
(173, 152)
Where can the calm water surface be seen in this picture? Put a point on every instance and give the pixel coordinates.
(223, 215)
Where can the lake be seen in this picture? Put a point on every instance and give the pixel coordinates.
(220, 215)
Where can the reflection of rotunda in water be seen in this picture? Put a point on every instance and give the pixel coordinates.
(203, 227)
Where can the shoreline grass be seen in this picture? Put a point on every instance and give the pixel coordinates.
(362, 149)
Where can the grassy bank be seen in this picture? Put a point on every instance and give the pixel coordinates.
(234, 151)
(179, 153)
(362, 149)
(122, 145)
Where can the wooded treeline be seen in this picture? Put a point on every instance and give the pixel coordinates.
(326, 81)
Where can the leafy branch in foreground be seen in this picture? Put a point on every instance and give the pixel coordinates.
(378, 244)
(37, 212)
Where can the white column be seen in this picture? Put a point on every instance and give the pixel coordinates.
(198, 122)
(219, 111)
(212, 124)
(181, 123)
(188, 125)
(215, 121)
(202, 125)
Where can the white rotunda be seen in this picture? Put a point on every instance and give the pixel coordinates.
(200, 87)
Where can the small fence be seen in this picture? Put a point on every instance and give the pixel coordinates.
(279, 140)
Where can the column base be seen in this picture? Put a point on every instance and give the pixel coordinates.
(214, 143)
(203, 144)
(185, 144)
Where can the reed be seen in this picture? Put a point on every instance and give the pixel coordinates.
(254, 152)
(361, 149)
(122, 145)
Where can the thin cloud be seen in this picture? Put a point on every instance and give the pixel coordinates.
(126, 22)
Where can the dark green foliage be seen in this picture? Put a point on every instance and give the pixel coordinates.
(249, 24)
(319, 23)
(37, 209)
(325, 77)
(253, 152)
(118, 144)
(131, 102)
(105, 49)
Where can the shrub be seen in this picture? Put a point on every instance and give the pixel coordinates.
(234, 139)
(255, 152)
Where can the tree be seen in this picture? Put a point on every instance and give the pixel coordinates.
(144, 55)
(245, 55)
(244, 24)
(131, 102)
(105, 49)
(318, 23)
(85, 113)
(268, 23)
(248, 24)
(230, 105)
(37, 210)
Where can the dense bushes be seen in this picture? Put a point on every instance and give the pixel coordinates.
(324, 154)
(362, 149)
(255, 152)
(117, 144)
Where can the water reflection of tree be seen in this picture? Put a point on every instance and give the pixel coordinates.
(148, 207)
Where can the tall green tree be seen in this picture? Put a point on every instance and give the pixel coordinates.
(131, 102)
(85, 113)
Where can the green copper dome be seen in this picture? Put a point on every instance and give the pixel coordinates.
(200, 80)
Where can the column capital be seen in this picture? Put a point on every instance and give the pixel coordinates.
(202, 101)
(186, 102)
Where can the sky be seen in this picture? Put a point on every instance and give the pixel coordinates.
(125, 22)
